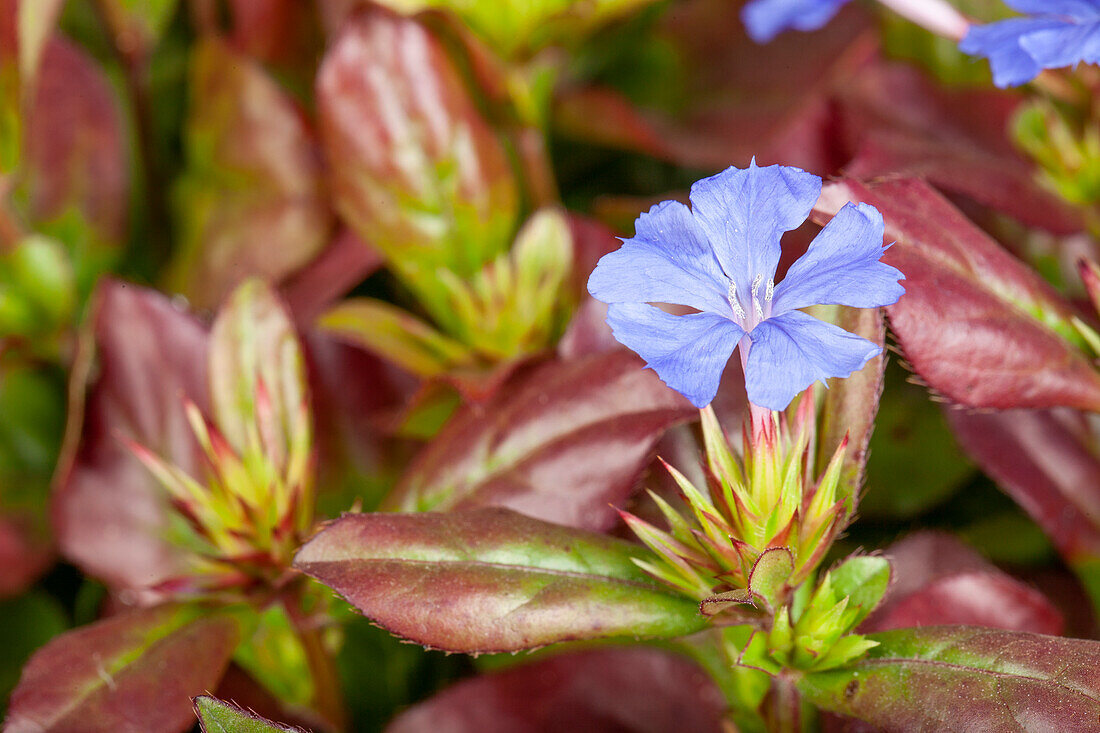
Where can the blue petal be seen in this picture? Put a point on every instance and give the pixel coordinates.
(791, 351)
(765, 19)
(1000, 43)
(745, 212)
(1065, 46)
(842, 266)
(1081, 10)
(669, 260)
(687, 352)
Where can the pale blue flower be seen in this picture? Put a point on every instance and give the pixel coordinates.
(765, 19)
(1060, 33)
(719, 257)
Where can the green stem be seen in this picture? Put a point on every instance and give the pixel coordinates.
(133, 56)
(328, 700)
(785, 713)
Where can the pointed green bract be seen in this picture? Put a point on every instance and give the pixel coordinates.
(218, 716)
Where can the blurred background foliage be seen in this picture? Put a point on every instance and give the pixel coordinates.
(425, 186)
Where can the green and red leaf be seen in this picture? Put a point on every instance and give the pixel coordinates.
(966, 678)
(492, 580)
(387, 87)
(627, 689)
(976, 324)
(134, 671)
(252, 201)
(561, 443)
(109, 513)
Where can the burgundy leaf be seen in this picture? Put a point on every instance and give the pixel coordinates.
(588, 332)
(274, 31)
(109, 512)
(132, 672)
(74, 147)
(741, 99)
(25, 552)
(973, 322)
(1046, 461)
(851, 404)
(354, 395)
(899, 123)
(252, 201)
(492, 580)
(939, 580)
(966, 678)
(600, 690)
(560, 443)
(342, 265)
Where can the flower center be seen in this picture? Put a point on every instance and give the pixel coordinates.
(758, 307)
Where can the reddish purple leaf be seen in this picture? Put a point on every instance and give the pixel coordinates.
(355, 394)
(939, 580)
(492, 580)
(109, 512)
(25, 553)
(342, 265)
(74, 146)
(899, 123)
(991, 599)
(252, 201)
(134, 671)
(387, 87)
(601, 690)
(973, 320)
(559, 442)
(588, 332)
(274, 31)
(966, 678)
(1046, 461)
(741, 99)
(851, 404)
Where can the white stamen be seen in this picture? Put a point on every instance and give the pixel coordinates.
(755, 299)
(731, 296)
(769, 292)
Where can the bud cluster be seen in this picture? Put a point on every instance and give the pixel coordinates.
(766, 499)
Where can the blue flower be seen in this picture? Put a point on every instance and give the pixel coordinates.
(1061, 33)
(719, 257)
(765, 19)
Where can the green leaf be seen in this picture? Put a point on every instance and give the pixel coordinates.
(492, 580)
(864, 580)
(515, 305)
(37, 288)
(138, 23)
(396, 335)
(915, 679)
(275, 657)
(139, 665)
(253, 341)
(769, 576)
(909, 429)
(519, 27)
(218, 716)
